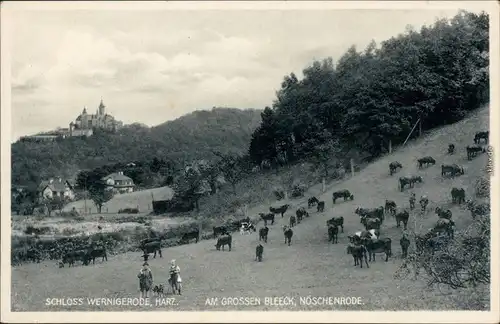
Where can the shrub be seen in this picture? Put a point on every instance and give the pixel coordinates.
(279, 193)
(129, 211)
(482, 187)
(297, 190)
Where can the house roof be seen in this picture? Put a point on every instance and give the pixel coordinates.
(117, 176)
(55, 185)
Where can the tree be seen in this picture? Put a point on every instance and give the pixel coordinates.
(99, 194)
(54, 203)
(234, 168)
(323, 155)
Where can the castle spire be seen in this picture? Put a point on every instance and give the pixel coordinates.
(101, 107)
(84, 110)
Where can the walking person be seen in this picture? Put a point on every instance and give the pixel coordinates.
(145, 280)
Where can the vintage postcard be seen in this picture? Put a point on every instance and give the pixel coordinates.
(250, 161)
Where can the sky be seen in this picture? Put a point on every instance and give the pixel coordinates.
(150, 67)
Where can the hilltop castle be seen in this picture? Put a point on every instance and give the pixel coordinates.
(85, 122)
(84, 125)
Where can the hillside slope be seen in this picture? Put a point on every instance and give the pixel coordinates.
(192, 136)
(310, 266)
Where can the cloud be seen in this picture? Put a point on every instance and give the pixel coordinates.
(154, 66)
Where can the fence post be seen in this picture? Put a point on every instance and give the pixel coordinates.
(352, 167)
(420, 127)
(390, 146)
(323, 186)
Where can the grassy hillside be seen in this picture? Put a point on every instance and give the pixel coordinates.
(310, 266)
(189, 137)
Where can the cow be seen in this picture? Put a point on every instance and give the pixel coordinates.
(292, 221)
(259, 251)
(458, 195)
(371, 213)
(301, 212)
(412, 200)
(445, 226)
(312, 201)
(220, 230)
(443, 213)
(263, 234)
(333, 234)
(394, 166)
(321, 206)
(187, 237)
(72, 256)
(336, 221)
(425, 161)
(287, 231)
(451, 149)
(247, 228)
(358, 252)
(452, 170)
(477, 209)
(356, 238)
(371, 223)
(267, 217)
(279, 210)
(152, 247)
(224, 240)
(390, 206)
(480, 136)
(404, 242)
(402, 216)
(346, 194)
(95, 252)
(424, 201)
(378, 246)
(403, 181)
(415, 179)
(473, 151)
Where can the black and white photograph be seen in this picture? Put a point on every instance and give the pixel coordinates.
(271, 158)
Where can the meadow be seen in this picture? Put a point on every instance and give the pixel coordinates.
(311, 266)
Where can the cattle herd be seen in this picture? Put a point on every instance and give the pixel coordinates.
(363, 245)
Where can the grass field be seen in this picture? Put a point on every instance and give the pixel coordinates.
(141, 198)
(310, 266)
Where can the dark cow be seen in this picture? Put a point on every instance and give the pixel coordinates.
(97, 252)
(412, 200)
(72, 256)
(402, 216)
(259, 251)
(390, 206)
(293, 221)
(473, 151)
(378, 246)
(370, 223)
(445, 226)
(267, 217)
(152, 247)
(480, 136)
(405, 243)
(477, 209)
(224, 240)
(333, 234)
(424, 201)
(358, 252)
(403, 181)
(263, 234)
(452, 170)
(220, 230)
(287, 231)
(443, 213)
(321, 207)
(301, 212)
(371, 213)
(415, 179)
(394, 166)
(457, 195)
(187, 237)
(336, 221)
(451, 149)
(346, 194)
(312, 201)
(425, 161)
(280, 210)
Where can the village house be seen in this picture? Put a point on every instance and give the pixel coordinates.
(58, 187)
(119, 183)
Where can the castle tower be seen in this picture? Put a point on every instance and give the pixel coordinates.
(102, 108)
